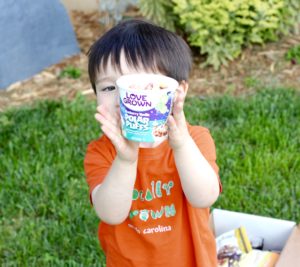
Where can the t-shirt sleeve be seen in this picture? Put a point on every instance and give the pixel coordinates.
(206, 145)
(98, 159)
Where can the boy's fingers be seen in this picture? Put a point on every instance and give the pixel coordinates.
(103, 120)
(119, 142)
(114, 137)
(109, 125)
(172, 125)
(179, 101)
(171, 122)
(101, 109)
(179, 118)
(110, 129)
(178, 106)
(100, 118)
(113, 118)
(180, 94)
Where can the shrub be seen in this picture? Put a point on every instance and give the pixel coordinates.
(220, 28)
(160, 12)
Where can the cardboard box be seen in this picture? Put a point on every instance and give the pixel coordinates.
(279, 235)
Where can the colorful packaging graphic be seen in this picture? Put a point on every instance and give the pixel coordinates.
(146, 101)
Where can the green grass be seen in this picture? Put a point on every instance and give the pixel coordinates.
(258, 149)
(45, 215)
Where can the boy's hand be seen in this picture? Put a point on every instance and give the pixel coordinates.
(178, 132)
(110, 125)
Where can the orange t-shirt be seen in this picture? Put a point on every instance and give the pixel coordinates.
(162, 228)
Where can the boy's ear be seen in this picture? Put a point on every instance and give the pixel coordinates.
(184, 86)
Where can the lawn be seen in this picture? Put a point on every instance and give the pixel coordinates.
(45, 215)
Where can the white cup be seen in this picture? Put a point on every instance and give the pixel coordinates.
(146, 101)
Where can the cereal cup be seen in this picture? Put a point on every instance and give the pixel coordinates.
(146, 101)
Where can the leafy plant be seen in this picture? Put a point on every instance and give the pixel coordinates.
(293, 54)
(70, 72)
(221, 28)
(160, 12)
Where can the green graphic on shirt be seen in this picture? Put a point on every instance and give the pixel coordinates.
(157, 190)
(135, 194)
(148, 195)
(170, 211)
(141, 195)
(168, 187)
(157, 214)
(133, 213)
(144, 215)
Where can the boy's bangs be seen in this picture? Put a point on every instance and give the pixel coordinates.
(133, 58)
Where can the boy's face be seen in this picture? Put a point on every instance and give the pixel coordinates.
(107, 92)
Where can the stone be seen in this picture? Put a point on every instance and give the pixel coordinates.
(33, 35)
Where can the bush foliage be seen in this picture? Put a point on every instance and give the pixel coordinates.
(160, 12)
(221, 28)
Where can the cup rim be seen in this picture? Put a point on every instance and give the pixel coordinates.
(122, 84)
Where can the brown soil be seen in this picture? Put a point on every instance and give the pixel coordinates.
(257, 67)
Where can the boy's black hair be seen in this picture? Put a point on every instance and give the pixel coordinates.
(144, 45)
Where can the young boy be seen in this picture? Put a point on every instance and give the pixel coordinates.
(153, 199)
